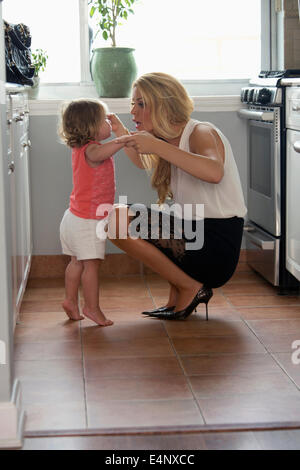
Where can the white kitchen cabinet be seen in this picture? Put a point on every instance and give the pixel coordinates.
(293, 197)
(20, 210)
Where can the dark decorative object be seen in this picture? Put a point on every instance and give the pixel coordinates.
(19, 68)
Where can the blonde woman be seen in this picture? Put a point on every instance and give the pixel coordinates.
(192, 163)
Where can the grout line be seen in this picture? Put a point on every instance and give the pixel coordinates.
(266, 349)
(180, 364)
(83, 372)
(285, 371)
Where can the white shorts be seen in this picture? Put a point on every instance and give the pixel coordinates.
(78, 237)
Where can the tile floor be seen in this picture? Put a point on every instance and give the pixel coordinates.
(143, 373)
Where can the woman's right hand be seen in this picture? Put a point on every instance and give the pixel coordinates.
(116, 125)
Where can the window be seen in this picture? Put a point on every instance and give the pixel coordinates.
(54, 27)
(193, 40)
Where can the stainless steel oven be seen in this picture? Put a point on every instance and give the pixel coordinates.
(265, 230)
(264, 169)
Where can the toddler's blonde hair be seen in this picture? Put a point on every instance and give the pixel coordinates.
(80, 121)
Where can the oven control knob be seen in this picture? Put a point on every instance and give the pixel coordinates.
(244, 95)
(250, 95)
(264, 96)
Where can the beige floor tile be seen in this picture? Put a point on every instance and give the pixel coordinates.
(122, 414)
(262, 300)
(45, 320)
(275, 327)
(279, 343)
(46, 293)
(242, 277)
(279, 440)
(31, 306)
(132, 303)
(59, 416)
(252, 408)
(53, 391)
(51, 369)
(218, 344)
(138, 388)
(216, 313)
(269, 313)
(123, 332)
(147, 347)
(192, 329)
(67, 332)
(47, 351)
(132, 367)
(209, 386)
(41, 283)
(242, 365)
(249, 288)
(287, 361)
(230, 441)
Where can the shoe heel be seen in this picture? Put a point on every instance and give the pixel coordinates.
(206, 306)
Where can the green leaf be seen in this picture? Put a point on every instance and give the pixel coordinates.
(105, 35)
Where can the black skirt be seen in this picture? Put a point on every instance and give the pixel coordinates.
(208, 250)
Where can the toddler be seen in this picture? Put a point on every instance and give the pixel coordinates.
(84, 124)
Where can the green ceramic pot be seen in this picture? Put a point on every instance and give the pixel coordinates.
(113, 70)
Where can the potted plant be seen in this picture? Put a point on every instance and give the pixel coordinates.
(39, 61)
(113, 68)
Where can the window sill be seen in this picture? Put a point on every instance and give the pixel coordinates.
(208, 95)
(219, 103)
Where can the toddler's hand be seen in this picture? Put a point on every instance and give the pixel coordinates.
(116, 124)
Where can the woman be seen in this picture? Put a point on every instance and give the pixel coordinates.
(191, 162)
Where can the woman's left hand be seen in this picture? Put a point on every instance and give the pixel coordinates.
(142, 142)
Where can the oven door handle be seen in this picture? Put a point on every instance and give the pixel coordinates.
(263, 244)
(297, 146)
(256, 115)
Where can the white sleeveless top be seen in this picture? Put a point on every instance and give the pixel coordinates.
(222, 200)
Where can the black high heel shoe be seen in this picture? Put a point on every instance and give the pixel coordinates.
(203, 296)
(153, 313)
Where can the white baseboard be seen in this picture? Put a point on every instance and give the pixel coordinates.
(12, 420)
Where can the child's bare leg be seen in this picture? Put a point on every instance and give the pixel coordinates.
(72, 282)
(90, 286)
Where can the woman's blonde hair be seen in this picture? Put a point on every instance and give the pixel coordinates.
(80, 121)
(170, 109)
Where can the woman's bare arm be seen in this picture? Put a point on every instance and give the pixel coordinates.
(205, 160)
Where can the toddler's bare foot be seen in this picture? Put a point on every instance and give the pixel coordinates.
(97, 316)
(72, 310)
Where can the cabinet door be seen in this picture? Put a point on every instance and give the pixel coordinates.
(21, 214)
(293, 198)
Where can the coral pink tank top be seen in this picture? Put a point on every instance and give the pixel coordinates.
(91, 186)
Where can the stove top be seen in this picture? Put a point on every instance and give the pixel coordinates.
(288, 73)
(272, 78)
(266, 89)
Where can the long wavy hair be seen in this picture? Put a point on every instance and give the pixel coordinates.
(170, 109)
(80, 121)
